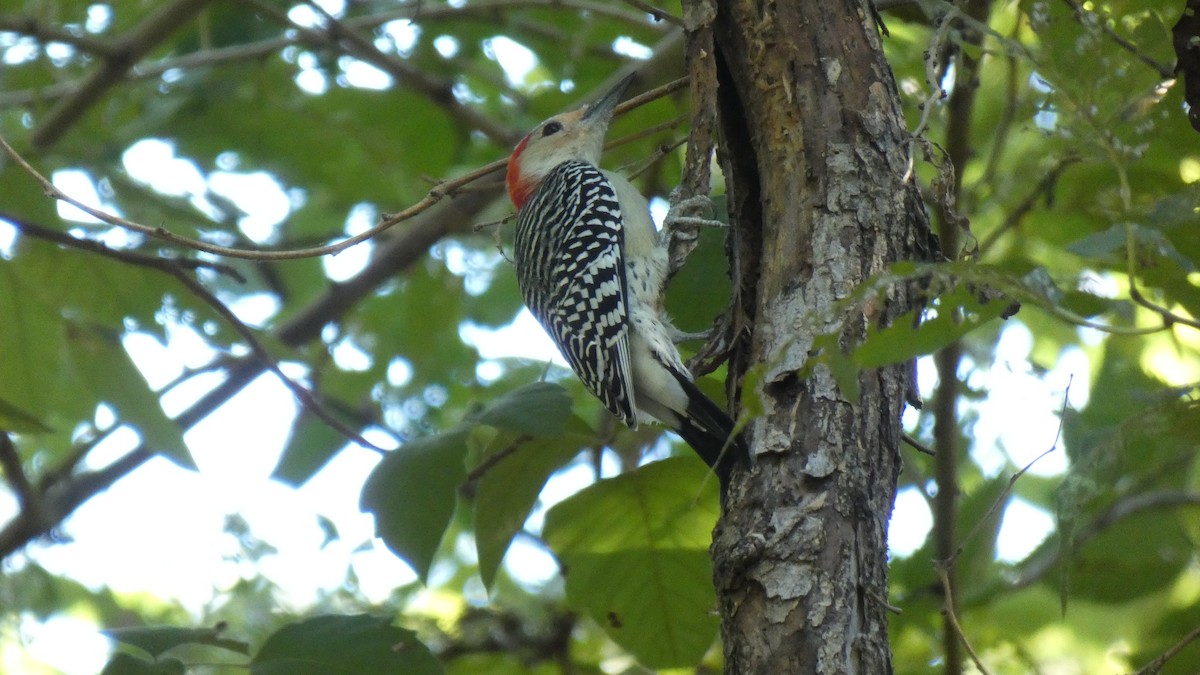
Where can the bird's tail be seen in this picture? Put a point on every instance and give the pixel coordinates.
(709, 430)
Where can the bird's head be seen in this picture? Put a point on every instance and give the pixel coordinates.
(576, 135)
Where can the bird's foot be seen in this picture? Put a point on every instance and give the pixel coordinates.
(681, 221)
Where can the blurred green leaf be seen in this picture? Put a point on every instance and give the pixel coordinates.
(105, 369)
(154, 640)
(634, 551)
(13, 418)
(126, 664)
(509, 488)
(411, 493)
(328, 645)
(1131, 558)
(309, 448)
(537, 409)
(958, 312)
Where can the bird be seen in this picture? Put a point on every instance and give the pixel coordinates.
(592, 269)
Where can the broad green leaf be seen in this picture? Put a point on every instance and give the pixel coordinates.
(310, 446)
(13, 418)
(411, 493)
(1131, 558)
(538, 409)
(501, 664)
(634, 551)
(353, 645)
(106, 371)
(30, 347)
(508, 489)
(154, 640)
(902, 341)
(127, 664)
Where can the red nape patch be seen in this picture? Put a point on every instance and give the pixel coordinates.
(518, 192)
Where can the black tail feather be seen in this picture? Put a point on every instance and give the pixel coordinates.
(708, 429)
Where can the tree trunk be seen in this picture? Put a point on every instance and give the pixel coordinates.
(815, 153)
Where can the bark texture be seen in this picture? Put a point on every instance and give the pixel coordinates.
(814, 150)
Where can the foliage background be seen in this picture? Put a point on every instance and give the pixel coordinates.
(1078, 181)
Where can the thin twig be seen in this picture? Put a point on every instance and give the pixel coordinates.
(478, 10)
(47, 33)
(658, 14)
(1012, 480)
(944, 575)
(98, 247)
(1169, 318)
(1119, 511)
(441, 190)
(918, 445)
(1022, 209)
(307, 398)
(438, 91)
(647, 132)
(933, 81)
(434, 196)
(1155, 666)
(179, 269)
(467, 488)
(128, 50)
(52, 477)
(661, 151)
(1078, 10)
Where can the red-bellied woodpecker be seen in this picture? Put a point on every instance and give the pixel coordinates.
(592, 270)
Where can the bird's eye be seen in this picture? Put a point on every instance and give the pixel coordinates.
(551, 128)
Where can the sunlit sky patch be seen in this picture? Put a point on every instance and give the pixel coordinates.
(79, 185)
(515, 59)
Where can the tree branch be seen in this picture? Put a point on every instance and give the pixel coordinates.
(129, 257)
(127, 51)
(440, 92)
(1155, 666)
(46, 33)
(432, 197)
(1078, 12)
(178, 269)
(481, 10)
(1118, 511)
(63, 492)
(952, 617)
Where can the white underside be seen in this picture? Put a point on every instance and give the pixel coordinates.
(657, 394)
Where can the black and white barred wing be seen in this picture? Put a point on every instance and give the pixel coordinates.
(569, 259)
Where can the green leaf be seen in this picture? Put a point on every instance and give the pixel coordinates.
(327, 645)
(902, 341)
(1134, 557)
(508, 490)
(538, 409)
(154, 640)
(105, 370)
(127, 664)
(30, 345)
(634, 551)
(310, 447)
(13, 418)
(411, 494)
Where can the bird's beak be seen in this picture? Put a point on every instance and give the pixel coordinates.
(602, 110)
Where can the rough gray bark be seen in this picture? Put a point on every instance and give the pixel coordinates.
(814, 150)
